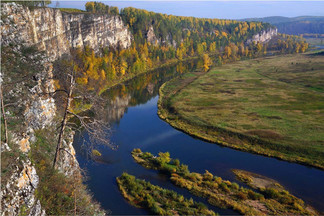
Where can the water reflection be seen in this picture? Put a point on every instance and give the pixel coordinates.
(131, 109)
(138, 90)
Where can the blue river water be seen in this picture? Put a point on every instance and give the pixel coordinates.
(131, 110)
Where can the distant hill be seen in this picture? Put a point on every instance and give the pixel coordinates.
(295, 25)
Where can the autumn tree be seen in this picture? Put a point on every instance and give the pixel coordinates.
(207, 62)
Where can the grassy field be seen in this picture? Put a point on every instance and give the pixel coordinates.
(272, 106)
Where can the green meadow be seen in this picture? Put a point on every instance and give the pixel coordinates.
(272, 106)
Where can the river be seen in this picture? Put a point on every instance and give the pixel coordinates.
(131, 110)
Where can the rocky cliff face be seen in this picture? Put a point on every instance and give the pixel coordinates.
(41, 27)
(19, 191)
(150, 36)
(38, 112)
(263, 36)
(55, 32)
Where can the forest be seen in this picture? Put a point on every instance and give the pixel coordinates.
(175, 38)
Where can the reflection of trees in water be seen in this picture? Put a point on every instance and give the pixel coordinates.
(113, 103)
(137, 91)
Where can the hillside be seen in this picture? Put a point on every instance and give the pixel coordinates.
(294, 25)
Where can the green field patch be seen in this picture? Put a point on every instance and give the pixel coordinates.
(273, 103)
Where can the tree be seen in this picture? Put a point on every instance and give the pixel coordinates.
(207, 62)
(66, 72)
(228, 52)
(164, 157)
(90, 7)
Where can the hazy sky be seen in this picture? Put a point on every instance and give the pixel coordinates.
(218, 9)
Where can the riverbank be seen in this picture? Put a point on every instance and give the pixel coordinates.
(259, 106)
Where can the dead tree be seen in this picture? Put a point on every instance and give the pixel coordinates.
(97, 129)
(65, 118)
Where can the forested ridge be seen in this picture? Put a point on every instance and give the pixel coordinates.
(294, 25)
(160, 39)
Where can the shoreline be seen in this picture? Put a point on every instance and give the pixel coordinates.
(251, 144)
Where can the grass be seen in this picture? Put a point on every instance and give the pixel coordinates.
(315, 41)
(159, 201)
(272, 199)
(271, 106)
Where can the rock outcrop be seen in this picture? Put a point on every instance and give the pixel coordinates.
(19, 191)
(263, 36)
(55, 32)
(151, 37)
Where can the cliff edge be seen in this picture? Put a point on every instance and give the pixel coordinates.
(55, 32)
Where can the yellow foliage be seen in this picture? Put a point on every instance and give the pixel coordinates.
(96, 153)
(82, 80)
(57, 84)
(207, 62)
(224, 34)
(103, 75)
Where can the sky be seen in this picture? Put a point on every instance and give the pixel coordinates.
(217, 9)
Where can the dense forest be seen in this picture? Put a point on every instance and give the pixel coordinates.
(161, 39)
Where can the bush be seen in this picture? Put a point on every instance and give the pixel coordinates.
(208, 176)
(176, 162)
(164, 157)
(96, 153)
(218, 180)
(224, 187)
(235, 186)
(242, 196)
(271, 193)
(253, 195)
(137, 150)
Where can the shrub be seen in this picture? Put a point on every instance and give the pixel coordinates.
(176, 162)
(183, 169)
(146, 155)
(137, 150)
(242, 196)
(224, 187)
(271, 193)
(298, 207)
(218, 180)
(164, 157)
(253, 195)
(96, 153)
(208, 176)
(235, 186)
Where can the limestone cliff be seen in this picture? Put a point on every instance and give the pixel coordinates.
(55, 32)
(263, 36)
(151, 37)
(18, 192)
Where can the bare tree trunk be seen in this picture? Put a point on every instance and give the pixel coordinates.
(4, 116)
(63, 125)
